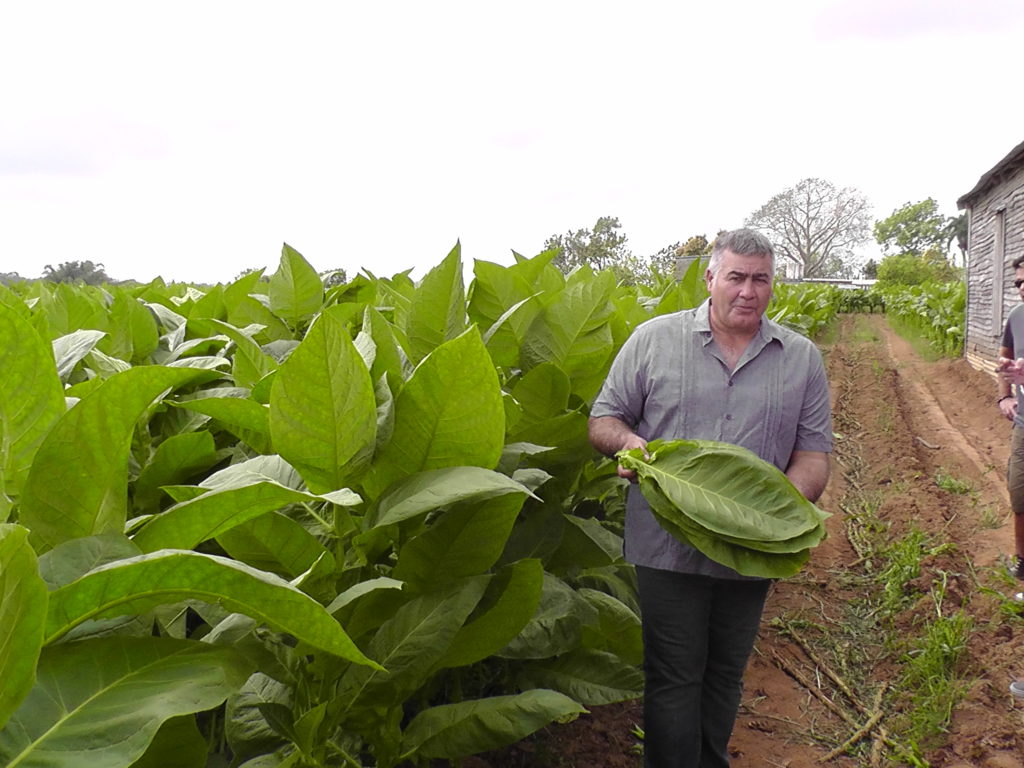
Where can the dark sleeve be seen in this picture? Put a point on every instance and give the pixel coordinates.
(1008, 335)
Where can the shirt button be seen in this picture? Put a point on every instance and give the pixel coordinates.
(730, 382)
(728, 417)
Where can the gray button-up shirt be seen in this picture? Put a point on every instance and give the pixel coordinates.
(670, 381)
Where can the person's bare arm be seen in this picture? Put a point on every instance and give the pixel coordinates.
(808, 471)
(610, 435)
(1007, 406)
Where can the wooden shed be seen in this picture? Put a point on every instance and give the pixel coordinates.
(995, 237)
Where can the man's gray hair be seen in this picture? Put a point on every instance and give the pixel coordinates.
(742, 242)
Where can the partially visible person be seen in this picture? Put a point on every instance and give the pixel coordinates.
(1011, 350)
(725, 372)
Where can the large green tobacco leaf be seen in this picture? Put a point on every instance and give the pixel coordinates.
(296, 290)
(275, 543)
(573, 332)
(465, 541)
(449, 414)
(731, 505)
(409, 644)
(440, 488)
(323, 416)
(458, 730)
(244, 418)
(70, 349)
(556, 626)
(502, 304)
(185, 525)
(31, 401)
(249, 363)
(617, 629)
(178, 744)
(508, 605)
(140, 583)
(23, 599)
(100, 702)
(133, 333)
(591, 677)
(438, 310)
(88, 450)
(175, 460)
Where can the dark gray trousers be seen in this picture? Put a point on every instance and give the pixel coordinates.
(698, 634)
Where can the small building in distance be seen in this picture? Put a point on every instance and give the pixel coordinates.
(995, 237)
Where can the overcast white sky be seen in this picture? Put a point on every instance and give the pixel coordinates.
(191, 139)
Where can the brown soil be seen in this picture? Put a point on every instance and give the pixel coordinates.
(902, 424)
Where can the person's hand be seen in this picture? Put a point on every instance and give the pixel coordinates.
(1008, 407)
(1011, 370)
(631, 442)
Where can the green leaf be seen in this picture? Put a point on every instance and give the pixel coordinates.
(178, 744)
(100, 702)
(573, 333)
(409, 644)
(249, 363)
(617, 629)
(439, 488)
(323, 416)
(273, 542)
(296, 291)
(502, 303)
(458, 730)
(244, 418)
(133, 333)
(449, 413)
(185, 525)
(75, 558)
(438, 310)
(555, 628)
(138, 584)
(591, 677)
(88, 450)
(175, 460)
(31, 401)
(462, 542)
(731, 505)
(23, 599)
(506, 608)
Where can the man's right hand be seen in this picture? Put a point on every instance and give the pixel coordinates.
(633, 441)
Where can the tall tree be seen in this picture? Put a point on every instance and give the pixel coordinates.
(913, 228)
(815, 225)
(602, 247)
(76, 272)
(666, 260)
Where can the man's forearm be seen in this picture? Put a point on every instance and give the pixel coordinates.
(809, 471)
(610, 435)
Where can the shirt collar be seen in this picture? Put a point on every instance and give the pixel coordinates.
(766, 331)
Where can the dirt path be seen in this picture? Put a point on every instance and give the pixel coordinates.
(905, 427)
(921, 450)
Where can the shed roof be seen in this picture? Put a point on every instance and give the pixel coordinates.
(1005, 168)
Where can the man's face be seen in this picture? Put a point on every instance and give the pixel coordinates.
(1019, 276)
(740, 291)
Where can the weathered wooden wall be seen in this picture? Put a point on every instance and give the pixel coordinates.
(995, 239)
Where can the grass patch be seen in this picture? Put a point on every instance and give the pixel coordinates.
(948, 482)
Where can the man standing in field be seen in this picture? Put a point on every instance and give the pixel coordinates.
(725, 372)
(1011, 350)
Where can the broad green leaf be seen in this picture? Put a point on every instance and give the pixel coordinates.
(617, 629)
(99, 703)
(76, 557)
(273, 542)
(247, 731)
(409, 644)
(175, 460)
(23, 599)
(501, 302)
(140, 583)
(573, 333)
(389, 359)
(88, 450)
(296, 290)
(438, 310)
(590, 677)
(451, 731)
(727, 489)
(449, 414)
(323, 416)
(585, 544)
(555, 627)
(206, 307)
(249, 363)
(565, 435)
(73, 307)
(542, 393)
(465, 541)
(178, 744)
(133, 333)
(508, 605)
(69, 350)
(185, 525)
(244, 418)
(31, 401)
(440, 488)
